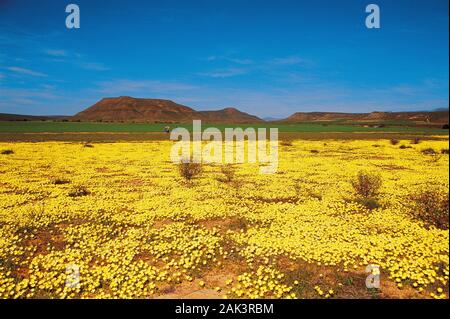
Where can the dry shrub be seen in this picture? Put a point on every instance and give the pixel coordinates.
(314, 151)
(415, 141)
(431, 206)
(403, 147)
(7, 152)
(60, 181)
(286, 143)
(429, 151)
(366, 184)
(394, 141)
(88, 145)
(444, 151)
(188, 170)
(229, 172)
(79, 191)
(435, 156)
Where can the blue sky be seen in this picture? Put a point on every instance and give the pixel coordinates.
(269, 58)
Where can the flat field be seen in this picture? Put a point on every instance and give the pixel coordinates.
(123, 217)
(336, 126)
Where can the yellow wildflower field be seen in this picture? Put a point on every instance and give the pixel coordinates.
(121, 215)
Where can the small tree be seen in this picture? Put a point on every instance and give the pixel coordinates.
(366, 184)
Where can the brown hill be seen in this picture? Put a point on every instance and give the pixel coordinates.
(435, 117)
(128, 109)
(138, 110)
(229, 115)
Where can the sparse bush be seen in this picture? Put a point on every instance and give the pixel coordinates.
(7, 152)
(79, 191)
(415, 141)
(314, 151)
(445, 127)
(366, 184)
(286, 143)
(60, 181)
(189, 170)
(403, 147)
(431, 206)
(88, 145)
(444, 151)
(429, 151)
(229, 172)
(394, 141)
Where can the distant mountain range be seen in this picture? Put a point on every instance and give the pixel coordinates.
(20, 117)
(129, 109)
(434, 117)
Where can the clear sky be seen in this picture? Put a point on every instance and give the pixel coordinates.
(270, 58)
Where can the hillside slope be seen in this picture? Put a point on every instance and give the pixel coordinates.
(128, 109)
(436, 117)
